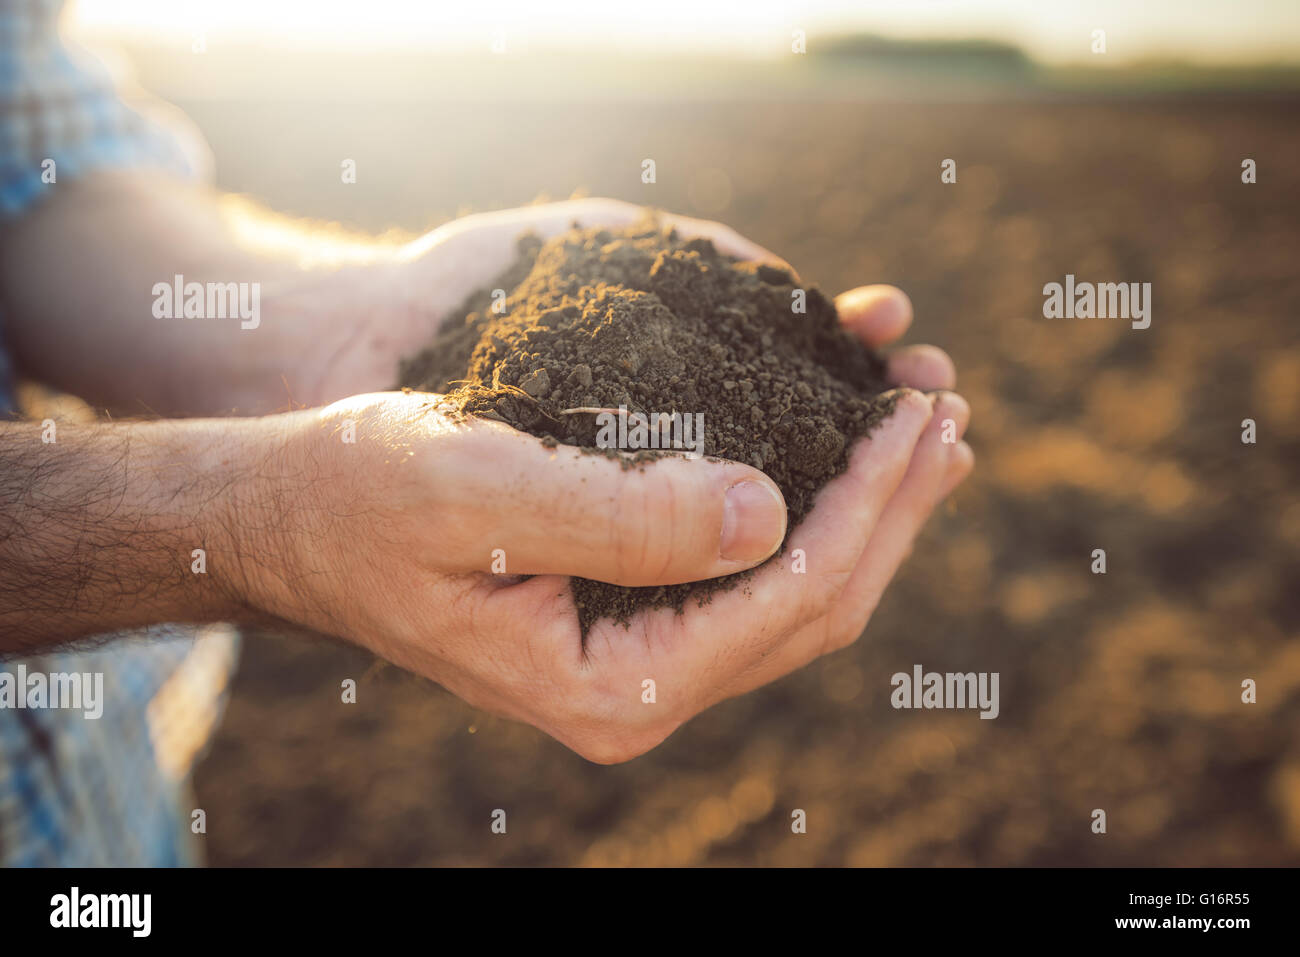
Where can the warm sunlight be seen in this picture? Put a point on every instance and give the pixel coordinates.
(1202, 30)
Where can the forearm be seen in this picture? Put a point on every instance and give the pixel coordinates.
(112, 526)
(82, 276)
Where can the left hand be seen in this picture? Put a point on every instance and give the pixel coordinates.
(743, 639)
(362, 333)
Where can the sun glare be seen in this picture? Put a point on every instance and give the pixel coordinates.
(1200, 30)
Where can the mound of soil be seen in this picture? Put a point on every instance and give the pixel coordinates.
(599, 326)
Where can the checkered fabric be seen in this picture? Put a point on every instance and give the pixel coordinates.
(76, 790)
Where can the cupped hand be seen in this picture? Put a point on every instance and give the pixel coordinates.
(862, 528)
(363, 324)
(415, 532)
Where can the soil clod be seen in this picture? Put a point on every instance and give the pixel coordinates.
(601, 327)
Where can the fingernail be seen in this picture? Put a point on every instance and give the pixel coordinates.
(753, 522)
(887, 305)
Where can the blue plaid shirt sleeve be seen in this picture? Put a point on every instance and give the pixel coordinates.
(74, 789)
(62, 115)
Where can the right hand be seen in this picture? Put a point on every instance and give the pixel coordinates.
(388, 541)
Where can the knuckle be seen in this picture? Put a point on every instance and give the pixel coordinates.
(823, 591)
(845, 629)
(642, 530)
(841, 637)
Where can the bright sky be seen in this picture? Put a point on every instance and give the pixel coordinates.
(1057, 30)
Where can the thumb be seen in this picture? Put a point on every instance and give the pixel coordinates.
(562, 511)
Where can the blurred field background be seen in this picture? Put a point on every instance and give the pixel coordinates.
(1119, 692)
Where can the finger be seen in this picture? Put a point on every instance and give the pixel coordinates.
(922, 367)
(545, 219)
(486, 243)
(877, 314)
(959, 468)
(512, 506)
(707, 645)
(493, 235)
(915, 499)
(936, 467)
(894, 536)
(833, 535)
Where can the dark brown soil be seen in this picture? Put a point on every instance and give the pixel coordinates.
(643, 320)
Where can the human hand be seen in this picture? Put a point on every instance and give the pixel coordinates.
(363, 323)
(390, 541)
(444, 497)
